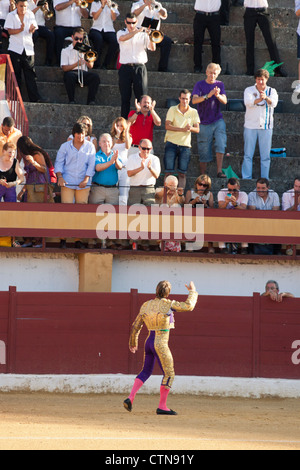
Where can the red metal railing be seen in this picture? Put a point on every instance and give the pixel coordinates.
(13, 97)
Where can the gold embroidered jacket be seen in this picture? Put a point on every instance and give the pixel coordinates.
(157, 315)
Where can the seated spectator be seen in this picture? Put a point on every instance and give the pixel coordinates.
(209, 94)
(173, 197)
(120, 132)
(6, 6)
(143, 121)
(11, 175)
(201, 194)
(272, 291)
(260, 101)
(290, 204)
(143, 169)
(264, 199)
(43, 31)
(89, 136)
(181, 122)
(8, 132)
(234, 199)
(103, 31)
(75, 167)
(76, 68)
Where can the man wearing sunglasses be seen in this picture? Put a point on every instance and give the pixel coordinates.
(76, 68)
(133, 44)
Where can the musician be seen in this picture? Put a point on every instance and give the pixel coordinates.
(76, 68)
(21, 25)
(6, 6)
(133, 44)
(43, 31)
(154, 10)
(68, 16)
(104, 13)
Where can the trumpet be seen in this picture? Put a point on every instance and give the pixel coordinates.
(48, 14)
(112, 5)
(83, 4)
(156, 5)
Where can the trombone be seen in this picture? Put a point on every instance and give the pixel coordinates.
(89, 56)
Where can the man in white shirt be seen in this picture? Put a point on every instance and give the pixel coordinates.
(43, 31)
(207, 17)
(154, 11)
(68, 15)
(21, 25)
(260, 101)
(257, 14)
(103, 31)
(288, 198)
(76, 69)
(133, 44)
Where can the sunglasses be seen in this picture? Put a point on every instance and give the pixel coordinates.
(78, 39)
(146, 149)
(203, 185)
(131, 22)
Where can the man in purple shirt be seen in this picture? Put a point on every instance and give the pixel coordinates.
(209, 94)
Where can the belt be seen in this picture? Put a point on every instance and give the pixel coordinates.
(135, 65)
(208, 13)
(143, 186)
(104, 186)
(258, 10)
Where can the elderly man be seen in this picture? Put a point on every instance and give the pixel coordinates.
(272, 291)
(260, 101)
(143, 121)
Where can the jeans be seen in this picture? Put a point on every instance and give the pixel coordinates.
(264, 137)
(209, 135)
(184, 157)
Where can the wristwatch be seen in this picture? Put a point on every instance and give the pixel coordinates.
(205, 97)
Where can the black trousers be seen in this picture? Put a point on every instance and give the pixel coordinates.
(132, 76)
(252, 18)
(165, 48)
(90, 79)
(45, 33)
(212, 24)
(98, 38)
(224, 12)
(26, 63)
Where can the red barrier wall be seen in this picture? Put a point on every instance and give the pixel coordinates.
(87, 333)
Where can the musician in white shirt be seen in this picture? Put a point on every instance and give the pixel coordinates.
(6, 6)
(257, 14)
(104, 13)
(42, 31)
(154, 10)
(133, 44)
(68, 14)
(76, 68)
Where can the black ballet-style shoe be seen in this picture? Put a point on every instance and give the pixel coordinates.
(127, 404)
(165, 412)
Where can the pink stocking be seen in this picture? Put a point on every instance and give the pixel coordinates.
(136, 386)
(164, 392)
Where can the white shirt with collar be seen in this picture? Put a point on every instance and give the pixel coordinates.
(104, 22)
(133, 51)
(147, 12)
(69, 17)
(39, 15)
(144, 177)
(4, 9)
(209, 6)
(69, 56)
(288, 200)
(261, 115)
(19, 42)
(256, 3)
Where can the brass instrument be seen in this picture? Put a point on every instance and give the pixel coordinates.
(112, 5)
(89, 56)
(48, 14)
(84, 4)
(156, 36)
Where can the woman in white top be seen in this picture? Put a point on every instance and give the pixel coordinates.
(122, 140)
(104, 13)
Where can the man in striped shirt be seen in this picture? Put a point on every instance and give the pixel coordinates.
(260, 101)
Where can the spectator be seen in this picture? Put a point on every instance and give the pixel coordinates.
(264, 199)
(21, 25)
(43, 31)
(173, 196)
(68, 16)
(257, 14)
(260, 101)
(272, 291)
(297, 9)
(232, 198)
(133, 44)
(143, 121)
(6, 6)
(11, 175)
(38, 187)
(103, 31)
(207, 17)
(120, 132)
(288, 198)
(181, 122)
(201, 194)
(76, 68)
(8, 132)
(88, 125)
(143, 169)
(75, 167)
(154, 11)
(209, 94)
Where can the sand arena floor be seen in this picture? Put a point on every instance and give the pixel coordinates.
(68, 421)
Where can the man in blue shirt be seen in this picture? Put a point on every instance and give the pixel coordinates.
(104, 189)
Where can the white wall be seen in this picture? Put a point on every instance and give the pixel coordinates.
(39, 273)
(210, 277)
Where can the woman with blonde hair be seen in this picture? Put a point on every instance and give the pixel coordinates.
(201, 194)
(122, 140)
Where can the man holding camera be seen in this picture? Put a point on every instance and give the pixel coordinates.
(75, 67)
